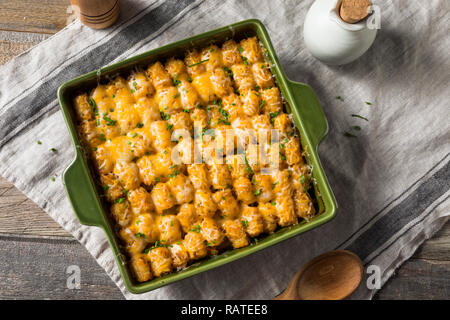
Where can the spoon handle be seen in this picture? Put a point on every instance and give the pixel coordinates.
(291, 292)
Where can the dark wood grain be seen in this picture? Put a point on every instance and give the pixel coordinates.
(14, 43)
(436, 248)
(40, 16)
(21, 216)
(426, 275)
(418, 279)
(35, 268)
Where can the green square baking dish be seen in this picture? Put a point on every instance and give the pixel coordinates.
(300, 99)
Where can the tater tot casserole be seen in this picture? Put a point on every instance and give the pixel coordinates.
(177, 188)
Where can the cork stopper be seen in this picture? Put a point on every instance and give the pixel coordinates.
(353, 11)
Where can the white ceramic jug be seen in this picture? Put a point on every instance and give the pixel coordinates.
(332, 40)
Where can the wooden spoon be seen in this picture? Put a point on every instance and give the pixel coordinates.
(331, 276)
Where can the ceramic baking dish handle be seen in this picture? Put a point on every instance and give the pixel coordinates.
(310, 110)
(82, 194)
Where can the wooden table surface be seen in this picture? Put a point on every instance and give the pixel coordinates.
(36, 251)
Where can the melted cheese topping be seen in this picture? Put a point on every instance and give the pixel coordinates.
(139, 132)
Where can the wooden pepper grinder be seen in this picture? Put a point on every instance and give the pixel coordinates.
(97, 14)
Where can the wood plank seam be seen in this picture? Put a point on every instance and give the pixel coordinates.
(40, 239)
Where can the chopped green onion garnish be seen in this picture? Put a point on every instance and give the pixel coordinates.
(192, 65)
(176, 82)
(262, 104)
(228, 71)
(224, 122)
(302, 179)
(249, 169)
(109, 121)
(176, 172)
(164, 116)
(358, 116)
(196, 229)
(140, 235)
(350, 135)
(92, 103)
(119, 200)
